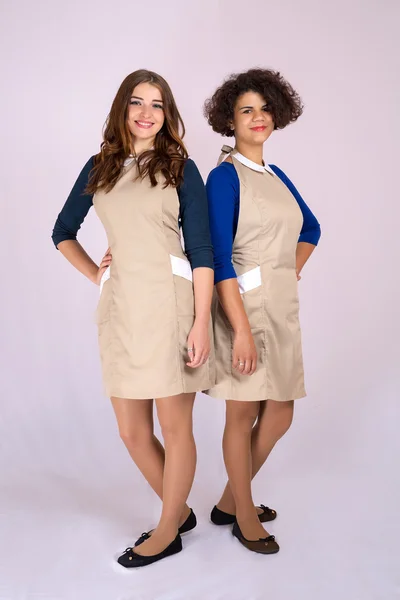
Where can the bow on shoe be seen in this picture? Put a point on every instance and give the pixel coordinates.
(145, 536)
(270, 538)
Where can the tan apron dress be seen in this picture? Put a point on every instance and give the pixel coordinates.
(146, 306)
(264, 259)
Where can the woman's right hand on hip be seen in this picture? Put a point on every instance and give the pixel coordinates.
(105, 263)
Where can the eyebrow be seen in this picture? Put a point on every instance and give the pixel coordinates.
(242, 107)
(139, 98)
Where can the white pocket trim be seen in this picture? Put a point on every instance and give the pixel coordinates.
(104, 277)
(181, 267)
(249, 280)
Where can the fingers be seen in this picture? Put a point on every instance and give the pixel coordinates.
(239, 364)
(106, 262)
(190, 351)
(198, 357)
(107, 258)
(245, 366)
(197, 361)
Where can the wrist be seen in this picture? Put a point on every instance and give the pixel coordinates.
(202, 320)
(242, 329)
(93, 278)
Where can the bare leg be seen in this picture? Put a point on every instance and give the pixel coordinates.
(274, 419)
(240, 418)
(136, 428)
(175, 416)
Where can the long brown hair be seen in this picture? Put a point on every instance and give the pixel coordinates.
(169, 153)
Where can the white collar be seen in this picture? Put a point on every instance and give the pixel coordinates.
(132, 158)
(129, 160)
(252, 165)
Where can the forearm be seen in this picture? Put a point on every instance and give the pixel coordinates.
(203, 284)
(303, 253)
(76, 255)
(231, 302)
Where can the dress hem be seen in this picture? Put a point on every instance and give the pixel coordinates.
(214, 394)
(144, 396)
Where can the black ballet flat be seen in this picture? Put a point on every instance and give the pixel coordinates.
(187, 526)
(129, 559)
(219, 517)
(266, 545)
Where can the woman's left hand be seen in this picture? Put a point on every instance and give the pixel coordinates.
(198, 345)
(298, 274)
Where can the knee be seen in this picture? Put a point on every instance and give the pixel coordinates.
(136, 437)
(172, 431)
(242, 419)
(282, 420)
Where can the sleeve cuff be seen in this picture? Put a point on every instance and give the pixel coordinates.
(224, 273)
(62, 238)
(311, 237)
(201, 258)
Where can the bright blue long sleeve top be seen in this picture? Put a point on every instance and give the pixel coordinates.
(223, 193)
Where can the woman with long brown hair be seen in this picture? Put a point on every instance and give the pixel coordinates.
(154, 307)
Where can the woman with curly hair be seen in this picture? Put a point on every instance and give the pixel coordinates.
(153, 314)
(263, 233)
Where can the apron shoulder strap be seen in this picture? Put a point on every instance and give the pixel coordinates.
(225, 151)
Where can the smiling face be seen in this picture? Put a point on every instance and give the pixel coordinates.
(145, 113)
(252, 123)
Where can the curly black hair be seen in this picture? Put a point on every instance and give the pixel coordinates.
(283, 102)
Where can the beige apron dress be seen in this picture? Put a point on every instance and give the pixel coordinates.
(146, 306)
(264, 259)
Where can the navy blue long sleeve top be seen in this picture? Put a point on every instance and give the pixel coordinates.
(193, 214)
(223, 192)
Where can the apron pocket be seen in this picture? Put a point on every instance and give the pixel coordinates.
(250, 287)
(253, 305)
(183, 284)
(103, 307)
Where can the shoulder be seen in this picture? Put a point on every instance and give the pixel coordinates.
(278, 171)
(191, 176)
(223, 175)
(283, 177)
(86, 170)
(190, 169)
(83, 177)
(89, 164)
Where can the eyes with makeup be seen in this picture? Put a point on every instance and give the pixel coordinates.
(136, 102)
(248, 110)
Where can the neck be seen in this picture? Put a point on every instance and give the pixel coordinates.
(139, 146)
(254, 153)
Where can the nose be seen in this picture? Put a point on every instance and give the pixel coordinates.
(258, 116)
(146, 111)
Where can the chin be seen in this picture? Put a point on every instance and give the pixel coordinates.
(260, 138)
(143, 132)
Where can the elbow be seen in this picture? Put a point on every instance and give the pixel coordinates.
(201, 257)
(311, 236)
(57, 238)
(61, 233)
(224, 271)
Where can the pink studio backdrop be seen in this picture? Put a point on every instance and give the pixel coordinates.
(61, 66)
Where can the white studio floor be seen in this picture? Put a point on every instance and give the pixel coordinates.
(338, 532)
